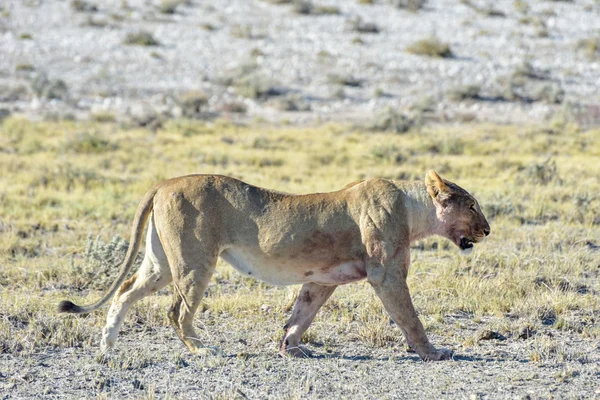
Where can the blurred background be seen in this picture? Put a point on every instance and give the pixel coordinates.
(381, 64)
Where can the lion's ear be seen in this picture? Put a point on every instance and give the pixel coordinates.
(436, 187)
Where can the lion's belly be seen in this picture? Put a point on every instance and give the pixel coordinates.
(282, 271)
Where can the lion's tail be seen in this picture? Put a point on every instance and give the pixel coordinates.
(141, 215)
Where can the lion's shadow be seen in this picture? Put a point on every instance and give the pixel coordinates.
(407, 357)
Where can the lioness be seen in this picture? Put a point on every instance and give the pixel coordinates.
(319, 240)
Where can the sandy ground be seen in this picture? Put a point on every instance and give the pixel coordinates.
(152, 362)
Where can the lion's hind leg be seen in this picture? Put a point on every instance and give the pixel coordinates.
(153, 275)
(309, 301)
(188, 291)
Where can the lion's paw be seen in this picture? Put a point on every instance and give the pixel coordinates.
(296, 351)
(438, 355)
(208, 351)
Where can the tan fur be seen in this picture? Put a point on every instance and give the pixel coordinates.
(319, 240)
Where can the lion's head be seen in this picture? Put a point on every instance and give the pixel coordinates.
(462, 220)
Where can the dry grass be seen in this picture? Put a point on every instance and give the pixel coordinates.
(432, 47)
(61, 182)
(140, 38)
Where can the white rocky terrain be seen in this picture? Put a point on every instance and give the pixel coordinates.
(506, 61)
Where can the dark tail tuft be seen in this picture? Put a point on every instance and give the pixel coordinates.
(67, 306)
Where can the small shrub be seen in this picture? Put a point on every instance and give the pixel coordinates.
(527, 71)
(410, 5)
(240, 31)
(391, 121)
(498, 207)
(590, 47)
(208, 26)
(345, 80)
(103, 117)
(551, 93)
(521, 6)
(431, 47)
(24, 67)
(303, 7)
(326, 10)
(140, 38)
(488, 11)
(101, 261)
(96, 22)
(291, 102)
(541, 173)
(48, 88)
(461, 93)
(83, 6)
(358, 25)
(255, 86)
(234, 107)
(378, 334)
(86, 143)
(193, 103)
(306, 7)
(523, 84)
(249, 81)
(338, 93)
(170, 6)
(388, 153)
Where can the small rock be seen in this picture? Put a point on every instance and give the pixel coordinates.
(491, 335)
(526, 333)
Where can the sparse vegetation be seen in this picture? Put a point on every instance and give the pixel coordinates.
(390, 120)
(193, 104)
(432, 47)
(521, 6)
(249, 81)
(410, 5)
(49, 88)
(103, 117)
(240, 31)
(170, 6)
(77, 185)
(486, 10)
(88, 143)
(590, 47)
(465, 92)
(307, 7)
(345, 80)
(358, 25)
(234, 107)
(24, 67)
(140, 38)
(291, 102)
(527, 84)
(83, 6)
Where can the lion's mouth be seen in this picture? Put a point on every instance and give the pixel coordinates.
(466, 243)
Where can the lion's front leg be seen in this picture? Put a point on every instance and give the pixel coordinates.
(389, 281)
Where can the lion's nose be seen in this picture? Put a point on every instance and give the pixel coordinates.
(486, 231)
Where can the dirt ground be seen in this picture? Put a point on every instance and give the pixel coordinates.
(151, 362)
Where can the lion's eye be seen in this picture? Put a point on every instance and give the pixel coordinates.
(472, 208)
